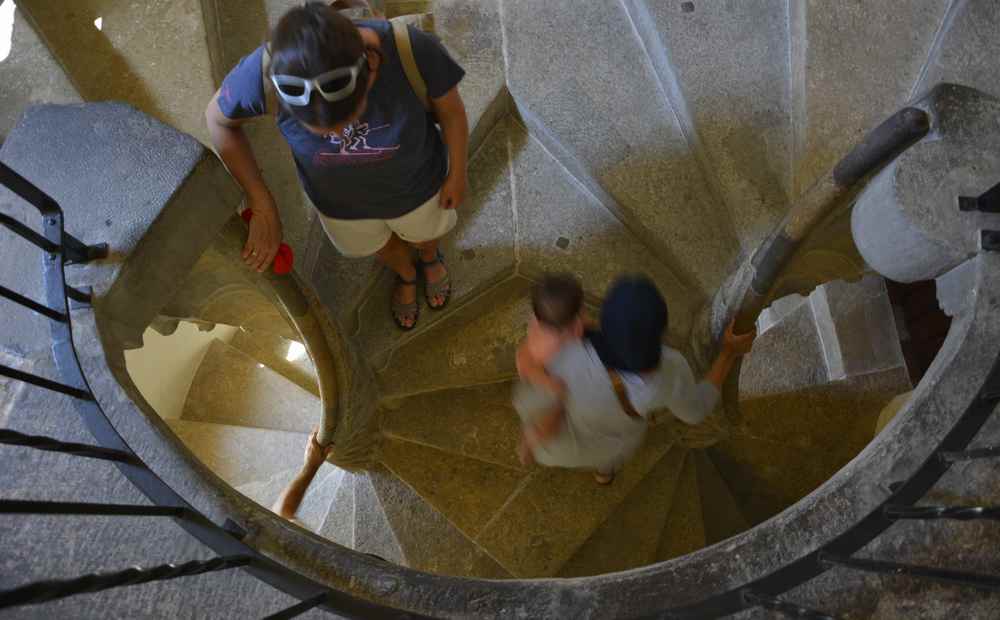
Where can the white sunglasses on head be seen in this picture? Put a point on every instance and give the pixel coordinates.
(296, 91)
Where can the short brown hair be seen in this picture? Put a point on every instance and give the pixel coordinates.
(557, 300)
(310, 40)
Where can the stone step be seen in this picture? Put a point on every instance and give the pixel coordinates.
(622, 147)
(318, 500)
(475, 422)
(722, 516)
(120, 61)
(479, 252)
(725, 71)
(562, 227)
(475, 345)
(553, 513)
(854, 65)
(265, 492)
(231, 387)
(786, 445)
(241, 454)
(29, 72)
(840, 330)
(684, 530)
(962, 55)
(219, 289)
(429, 541)
(288, 358)
(338, 523)
(468, 492)
(631, 535)
(372, 532)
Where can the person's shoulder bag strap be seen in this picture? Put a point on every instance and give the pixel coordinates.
(270, 97)
(409, 61)
(622, 395)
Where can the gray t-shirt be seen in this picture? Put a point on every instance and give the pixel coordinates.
(597, 432)
(389, 162)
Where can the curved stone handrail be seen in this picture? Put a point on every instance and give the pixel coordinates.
(856, 491)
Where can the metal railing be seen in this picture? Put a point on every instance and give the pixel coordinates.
(60, 248)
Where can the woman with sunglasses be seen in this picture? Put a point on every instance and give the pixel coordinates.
(385, 179)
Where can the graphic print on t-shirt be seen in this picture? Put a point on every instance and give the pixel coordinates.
(352, 148)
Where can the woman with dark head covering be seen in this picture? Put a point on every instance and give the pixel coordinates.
(614, 379)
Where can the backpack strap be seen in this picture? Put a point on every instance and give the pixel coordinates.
(405, 48)
(270, 97)
(622, 395)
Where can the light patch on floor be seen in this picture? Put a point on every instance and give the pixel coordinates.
(99, 23)
(165, 366)
(7, 8)
(296, 351)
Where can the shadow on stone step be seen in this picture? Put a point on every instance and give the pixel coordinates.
(789, 444)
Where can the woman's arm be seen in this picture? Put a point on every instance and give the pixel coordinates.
(234, 149)
(288, 503)
(450, 112)
(733, 347)
(693, 402)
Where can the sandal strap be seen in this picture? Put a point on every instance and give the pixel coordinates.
(441, 287)
(438, 258)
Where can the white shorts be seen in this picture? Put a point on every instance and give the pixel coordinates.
(357, 238)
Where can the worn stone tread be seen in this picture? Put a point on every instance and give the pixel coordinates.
(241, 454)
(318, 500)
(476, 344)
(230, 387)
(562, 227)
(684, 530)
(372, 531)
(265, 492)
(631, 534)
(339, 521)
(428, 540)
(624, 147)
(731, 67)
(722, 515)
(556, 510)
(468, 492)
(475, 422)
(274, 352)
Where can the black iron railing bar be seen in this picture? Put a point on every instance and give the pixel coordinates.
(26, 233)
(942, 575)
(45, 591)
(41, 442)
(38, 507)
(959, 513)
(31, 304)
(970, 455)
(42, 382)
(300, 608)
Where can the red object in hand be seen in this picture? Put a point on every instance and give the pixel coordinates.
(284, 259)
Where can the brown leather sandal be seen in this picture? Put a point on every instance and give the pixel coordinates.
(401, 311)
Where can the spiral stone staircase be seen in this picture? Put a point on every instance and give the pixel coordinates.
(667, 138)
